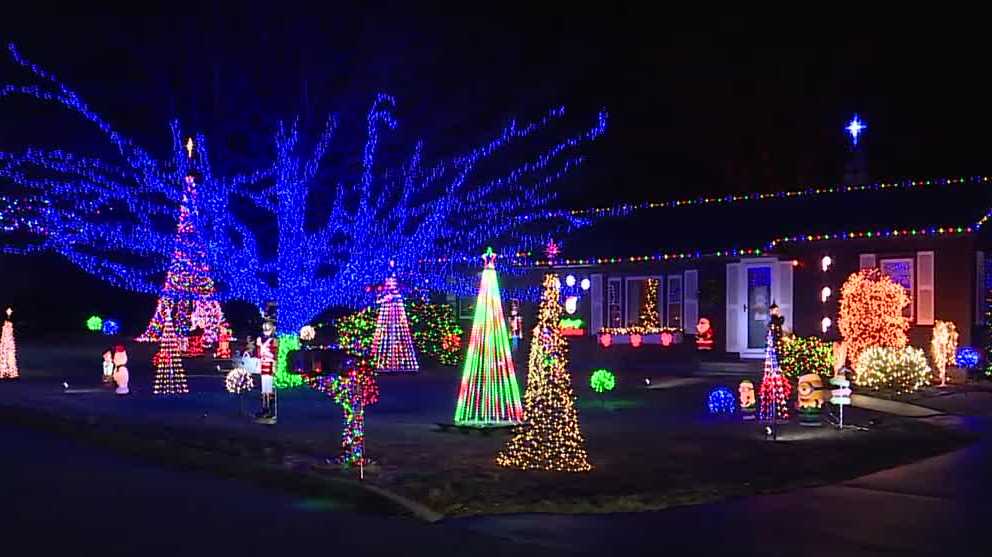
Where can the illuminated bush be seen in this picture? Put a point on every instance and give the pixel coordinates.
(871, 313)
(435, 331)
(803, 355)
(904, 370)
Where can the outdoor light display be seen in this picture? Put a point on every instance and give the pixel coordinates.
(238, 381)
(353, 389)
(649, 305)
(550, 438)
(94, 323)
(407, 208)
(904, 370)
(666, 338)
(635, 340)
(572, 327)
(283, 379)
(775, 388)
(223, 351)
(943, 348)
(489, 395)
(810, 398)
(8, 349)
(571, 304)
(704, 334)
(637, 335)
(308, 333)
(110, 327)
(967, 357)
(585, 284)
(602, 380)
(170, 379)
(108, 366)
(825, 294)
(805, 355)
(855, 128)
(121, 375)
(605, 340)
(392, 343)
(570, 281)
(825, 324)
(721, 401)
(188, 293)
(825, 263)
(748, 402)
(871, 313)
(435, 330)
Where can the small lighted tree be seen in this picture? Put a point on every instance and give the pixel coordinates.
(943, 348)
(550, 438)
(871, 313)
(775, 388)
(649, 305)
(8, 349)
(170, 378)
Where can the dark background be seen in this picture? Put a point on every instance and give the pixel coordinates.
(703, 104)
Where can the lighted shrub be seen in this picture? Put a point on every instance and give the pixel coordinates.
(802, 355)
(904, 370)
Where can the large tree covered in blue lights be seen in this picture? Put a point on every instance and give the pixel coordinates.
(115, 219)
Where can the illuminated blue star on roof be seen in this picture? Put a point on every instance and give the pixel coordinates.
(855, 127)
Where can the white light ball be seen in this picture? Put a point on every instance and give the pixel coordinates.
(307, 332)
(570, 281)
(585, 284)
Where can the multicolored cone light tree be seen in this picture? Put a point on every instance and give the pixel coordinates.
(170, 378)
(489, 395)
(8, 349)
(392, 343)
(775, 388)
(550, 438)
(188, 290)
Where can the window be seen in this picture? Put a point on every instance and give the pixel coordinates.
(674, 301)
(901, 272)
(614, 309)
(643, 298)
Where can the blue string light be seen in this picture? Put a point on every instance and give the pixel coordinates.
(116, 221)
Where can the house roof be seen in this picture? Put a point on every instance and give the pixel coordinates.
(755, 223)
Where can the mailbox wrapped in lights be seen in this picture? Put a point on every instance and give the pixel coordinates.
(638, 336)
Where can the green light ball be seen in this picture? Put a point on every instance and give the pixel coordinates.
(602, 380)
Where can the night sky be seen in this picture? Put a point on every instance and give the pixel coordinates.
(697, 105)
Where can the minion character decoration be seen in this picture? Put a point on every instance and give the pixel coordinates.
(704, 334)
(748, 402)
(811, 399)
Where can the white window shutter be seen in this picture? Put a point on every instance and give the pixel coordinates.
(735, 307)
(924, 287)
(783, 291)
(596, 295)
(866, 261)
(980, 287)
(690, 300)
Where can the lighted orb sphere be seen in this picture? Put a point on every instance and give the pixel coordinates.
(967, 357)
(238, 381)
(606, 339)
(825, 294)
(94, 323)
(571, 304)
(307, 332)
(602, 380)
(585, 284)
(666, 338)
(635, 340)
(825, 263)
(111, 326)
(570, 281)
(721, 401)
(825, 324)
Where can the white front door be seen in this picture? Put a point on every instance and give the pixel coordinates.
(752, 286)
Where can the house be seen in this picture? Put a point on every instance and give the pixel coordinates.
(728, 258)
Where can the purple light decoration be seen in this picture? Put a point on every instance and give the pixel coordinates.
(855, 127)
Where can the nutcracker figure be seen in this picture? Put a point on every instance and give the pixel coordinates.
(516, 325)
(267, 348)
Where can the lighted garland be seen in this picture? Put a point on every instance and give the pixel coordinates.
(904, 370)
(602, 380)
(803, 355)
(871, 312)
(638, 330)
(550, 438)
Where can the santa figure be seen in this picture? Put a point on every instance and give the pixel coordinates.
(266, 349)
(108, 366)
(121, 375)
